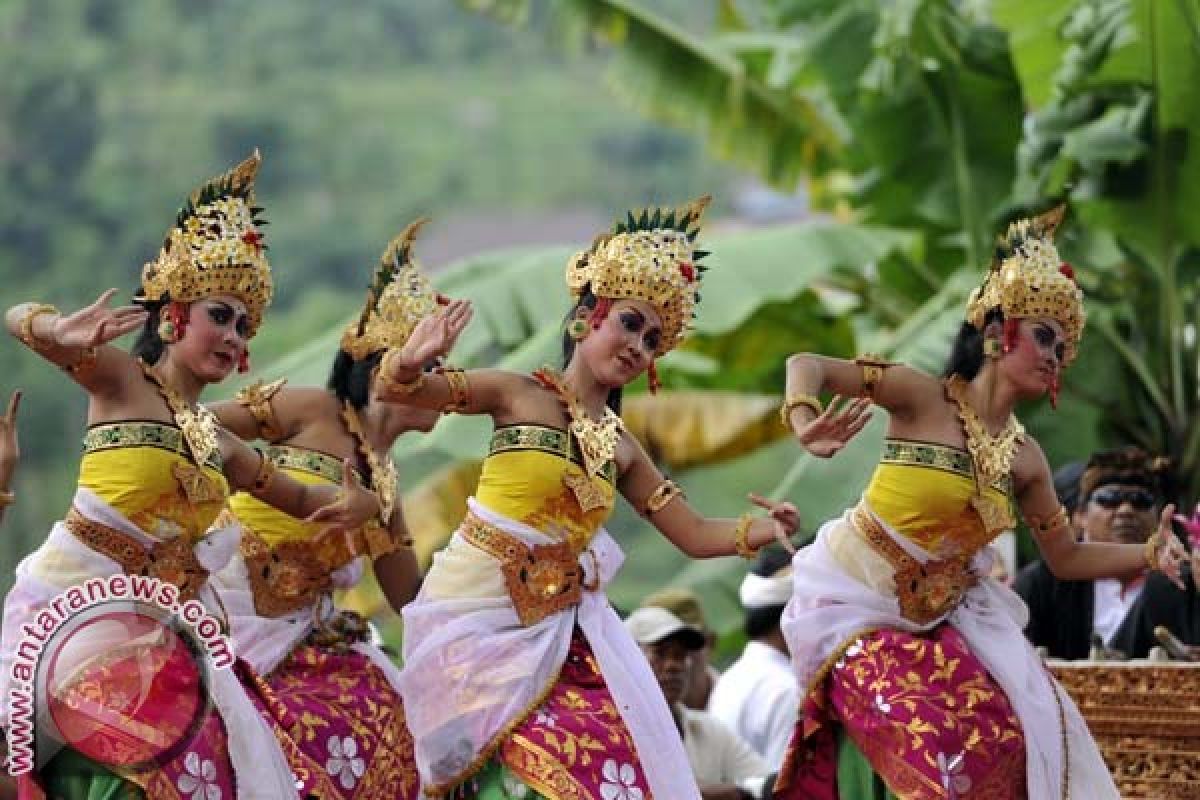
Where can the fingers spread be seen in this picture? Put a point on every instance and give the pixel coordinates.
(14, 402)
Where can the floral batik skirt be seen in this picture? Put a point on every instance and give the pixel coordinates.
(574, 746)
(923, 712)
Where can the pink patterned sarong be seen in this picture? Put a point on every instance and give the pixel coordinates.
(922, 709)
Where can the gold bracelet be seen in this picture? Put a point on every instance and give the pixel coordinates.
(872, 372)
(256, 398)
(795, 401)
(667, 491)
(377, 540)
(460, 390)
(7, 498)
(85, 363)
(1044, 526)
(741, 535)
(389, 387)
(266, 473)
(26, 334)
(1150, 551)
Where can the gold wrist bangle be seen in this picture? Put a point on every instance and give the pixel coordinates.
(795, 401)
(1150, 551)
(741, 537)
(7, 499)
(1045, 526)
(460, 390)
(389, 386)
(266, 473)
(85, 363)
(666, 491)
(26, 334)
(377, 540)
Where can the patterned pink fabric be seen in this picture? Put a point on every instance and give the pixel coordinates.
(346, 733)
(575, 746)
(925, 713)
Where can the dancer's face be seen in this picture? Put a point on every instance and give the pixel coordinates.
(1036, 361)
(625, 343)
(215, 338)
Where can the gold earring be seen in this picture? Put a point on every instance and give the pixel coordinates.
(991, 348)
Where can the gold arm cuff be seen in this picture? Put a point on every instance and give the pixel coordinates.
(741, 537)
(1043, 527)
(1150, 551)
(389, 386)
(460, 390)
(661, 497)
(377, 541)
(256, 398)
(25, 328)
(266, 473)
(872, 372)
(795, 401)
(7, 499)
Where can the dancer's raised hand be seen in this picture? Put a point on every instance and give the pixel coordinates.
(436, 334)
(828, 432)
(98, 324)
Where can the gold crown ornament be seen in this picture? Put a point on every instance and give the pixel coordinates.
(400, 296)
(649, 257)
(215, 247)
(1028, 278)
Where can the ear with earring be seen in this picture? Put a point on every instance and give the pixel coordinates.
(171, 323)
(578, 327)
(991, 348)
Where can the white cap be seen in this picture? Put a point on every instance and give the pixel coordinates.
(759, 592)
(651, 625)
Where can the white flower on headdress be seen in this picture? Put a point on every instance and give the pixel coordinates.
(619, 782)
(953, 779)
(199, 779)
(344, 763)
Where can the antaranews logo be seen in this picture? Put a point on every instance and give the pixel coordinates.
(116, 668)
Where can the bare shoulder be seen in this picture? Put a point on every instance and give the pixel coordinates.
(907, 392)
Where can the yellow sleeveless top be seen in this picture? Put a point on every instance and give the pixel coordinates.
(523, 478)
(275, 526)
(139, 467)
(923, 490)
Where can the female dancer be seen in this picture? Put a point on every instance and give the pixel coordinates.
(895, 630)
(132, 708)
(519, 680)
(321, 679)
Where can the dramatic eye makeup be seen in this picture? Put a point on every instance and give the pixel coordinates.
(632, 320)
(222, 314)
(1045, 336)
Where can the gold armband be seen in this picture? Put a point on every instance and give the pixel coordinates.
(266, 473)
(667, 491)
(741, 537)
(257, 400)
(1151, 551)
(377, 541)
(872, 372)
(795, 401)
(1045, 526)
(389, 387)
(25, 328)
(7, 499)
(460, 390)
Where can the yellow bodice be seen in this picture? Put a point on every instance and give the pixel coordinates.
(275, 526)
(524, 478)
(923, 491)
(143, 470)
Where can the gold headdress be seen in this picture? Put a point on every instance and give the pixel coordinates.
(649, 258)
(1027, 278)
(215, 247)
(400, 297)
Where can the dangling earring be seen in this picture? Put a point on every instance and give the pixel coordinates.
(244, 361)
(652, 378)
(172, 324)
(1054, 386)
(991, 348)
(1010, 335)
(166, 330)
(578, 328)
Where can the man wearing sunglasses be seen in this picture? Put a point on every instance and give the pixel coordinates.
(1120, 497)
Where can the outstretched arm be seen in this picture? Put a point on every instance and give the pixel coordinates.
(1072, 560)
(79, 342)
(644, 486)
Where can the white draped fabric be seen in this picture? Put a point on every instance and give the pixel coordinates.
(472, 671)
(63, 561)
(842, 587)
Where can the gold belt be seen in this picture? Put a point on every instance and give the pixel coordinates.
(541, 579)
(172, 560)
(288, 576)
(925, 591)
